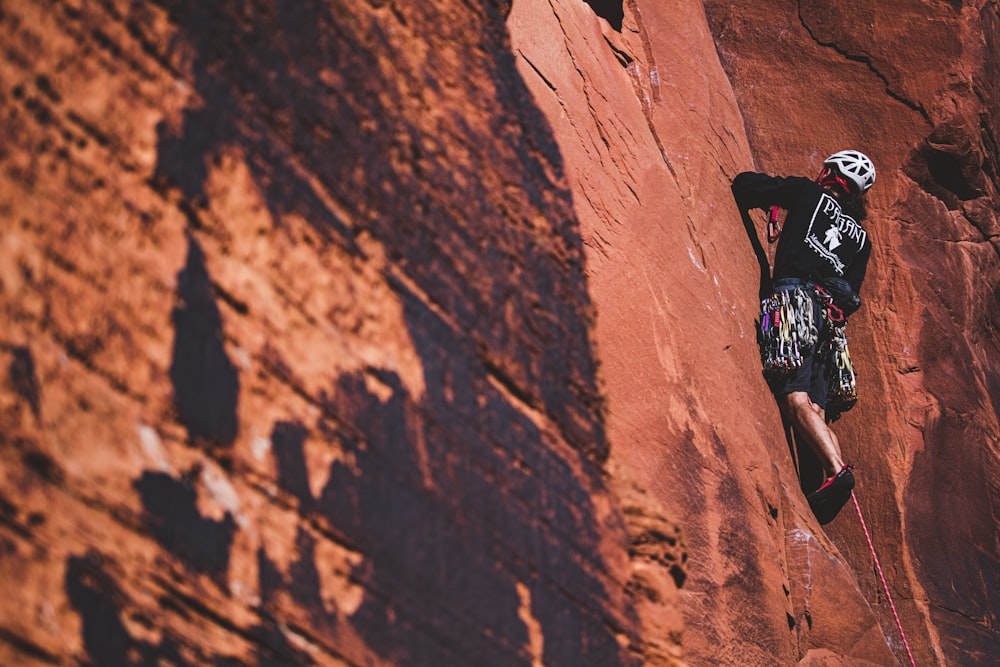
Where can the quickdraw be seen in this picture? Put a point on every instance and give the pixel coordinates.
(843, 392)
(773, 228)
(834, 314)
(786, 329)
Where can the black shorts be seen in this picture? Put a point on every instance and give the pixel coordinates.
(813, 378)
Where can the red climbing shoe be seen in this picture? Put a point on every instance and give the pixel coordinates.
(827, 501)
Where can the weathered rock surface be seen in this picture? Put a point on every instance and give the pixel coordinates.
(422, 333)
(299, 346)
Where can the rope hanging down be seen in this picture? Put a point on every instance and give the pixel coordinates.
(885, 586)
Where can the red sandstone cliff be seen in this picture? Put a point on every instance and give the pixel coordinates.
(422, 333)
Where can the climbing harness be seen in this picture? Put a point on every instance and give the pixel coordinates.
(885, 586)
(789, 327)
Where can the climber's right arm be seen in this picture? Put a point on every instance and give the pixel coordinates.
(755, 190)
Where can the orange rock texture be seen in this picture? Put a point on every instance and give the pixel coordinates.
(422, 333)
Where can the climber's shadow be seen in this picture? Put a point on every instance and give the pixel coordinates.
(807, 464)
(764, 287)
(612, 11)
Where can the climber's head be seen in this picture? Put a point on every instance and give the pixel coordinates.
(850, 171)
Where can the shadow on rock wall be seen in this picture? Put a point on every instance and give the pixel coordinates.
(465, 508)
(206, 384)
(316, 114)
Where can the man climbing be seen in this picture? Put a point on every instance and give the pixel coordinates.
(819, 265)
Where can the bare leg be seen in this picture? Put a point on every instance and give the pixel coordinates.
(836, 441)
(810, 422)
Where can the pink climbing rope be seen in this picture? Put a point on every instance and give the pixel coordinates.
(885, 586)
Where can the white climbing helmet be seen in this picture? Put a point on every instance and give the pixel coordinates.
(854, 165)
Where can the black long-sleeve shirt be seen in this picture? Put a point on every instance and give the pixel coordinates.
(818, 240)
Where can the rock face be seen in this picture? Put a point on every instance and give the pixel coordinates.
(422, 333)
(299, 346)
(703, 91)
